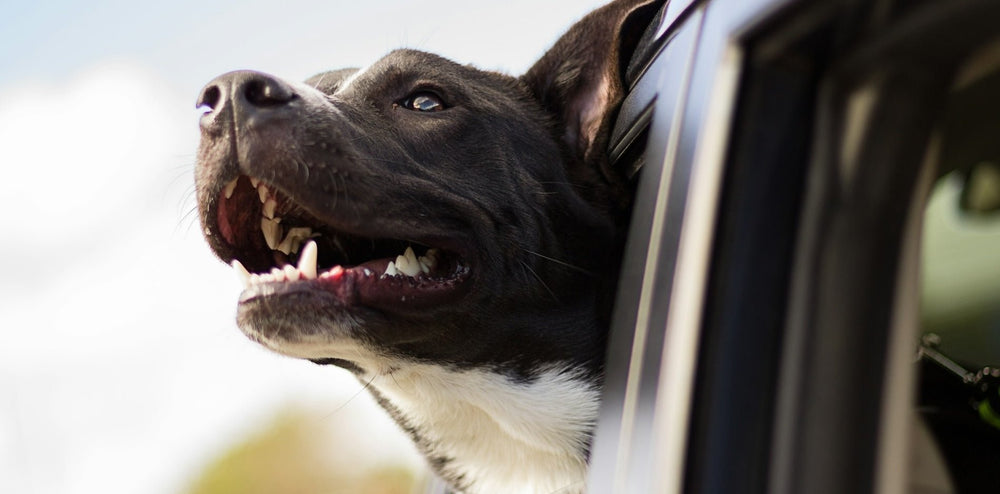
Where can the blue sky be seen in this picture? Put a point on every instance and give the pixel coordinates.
(121, 369)
(187, 41)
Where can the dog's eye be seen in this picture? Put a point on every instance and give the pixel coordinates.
(423, 101)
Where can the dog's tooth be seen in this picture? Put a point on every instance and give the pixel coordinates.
(405, 265)
(230, 187)
(255, 279)
(429, 260)
(390, 270)
(269, 206)
(307, 260)
(254, 182)
(263, 193)
(410, 255)
(241, 272)
(272, 232)
(291, 274)
(278, 274)
(293, 240)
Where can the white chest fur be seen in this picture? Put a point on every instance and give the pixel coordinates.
(501, 436)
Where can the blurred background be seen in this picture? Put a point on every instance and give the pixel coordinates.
(121, 369)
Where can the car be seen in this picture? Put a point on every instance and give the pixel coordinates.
(792, 317)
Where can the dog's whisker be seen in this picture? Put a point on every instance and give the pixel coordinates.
(562, 263)
(351, 399)
(393, 376)
(190, 218)
(540, 281)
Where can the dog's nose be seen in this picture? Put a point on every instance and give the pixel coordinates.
(240, 95)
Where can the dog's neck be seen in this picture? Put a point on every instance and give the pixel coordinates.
(489, 433)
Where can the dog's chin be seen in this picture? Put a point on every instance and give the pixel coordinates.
(323, 334)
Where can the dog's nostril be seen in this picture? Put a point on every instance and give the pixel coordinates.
(267, 92)
(209, 99)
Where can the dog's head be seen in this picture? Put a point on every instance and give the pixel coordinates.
(436, 212)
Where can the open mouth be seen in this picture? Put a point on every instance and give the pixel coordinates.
(278, 247)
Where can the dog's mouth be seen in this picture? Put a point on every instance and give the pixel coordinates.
(277, 247)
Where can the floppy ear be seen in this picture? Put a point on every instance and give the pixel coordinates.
(580, 79)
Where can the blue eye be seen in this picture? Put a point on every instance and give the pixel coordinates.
(424, 101)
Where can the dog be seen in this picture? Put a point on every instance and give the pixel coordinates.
(449, 235)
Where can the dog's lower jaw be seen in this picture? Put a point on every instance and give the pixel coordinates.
(488, 433)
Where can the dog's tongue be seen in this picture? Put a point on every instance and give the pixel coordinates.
(405, 283)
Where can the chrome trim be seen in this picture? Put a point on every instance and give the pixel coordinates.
(680, 347)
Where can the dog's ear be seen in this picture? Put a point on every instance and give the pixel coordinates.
(580, 79)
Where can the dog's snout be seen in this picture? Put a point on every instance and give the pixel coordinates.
(241, 95)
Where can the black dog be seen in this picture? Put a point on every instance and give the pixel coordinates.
(455, 237)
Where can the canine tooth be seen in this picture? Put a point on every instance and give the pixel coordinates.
(241, 272)
(269, 206)
(262, 192)
(230, 187)
(390, 270)
(272, 232)
(291, 274)
(254, 182)
(307, 260)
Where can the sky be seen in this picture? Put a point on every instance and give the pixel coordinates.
(121, 369)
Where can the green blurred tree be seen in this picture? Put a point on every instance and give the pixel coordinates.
(294, 454)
